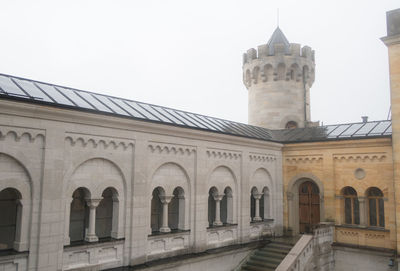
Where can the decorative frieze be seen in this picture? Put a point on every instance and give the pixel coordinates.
(374, 236)
(18, 134)
(223, 154)
(171, 149)
(348, 233)
(260, 157)
(360, 157)
(302, 159)
(97, 142)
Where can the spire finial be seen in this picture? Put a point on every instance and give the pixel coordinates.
(277, 17)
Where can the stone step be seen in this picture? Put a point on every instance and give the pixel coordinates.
(256, 262)
(280, 245)
(273, 249)
(253, 268)
(262, 258)
(273, 254)
(268, 259)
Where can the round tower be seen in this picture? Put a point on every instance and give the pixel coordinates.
(278, 76)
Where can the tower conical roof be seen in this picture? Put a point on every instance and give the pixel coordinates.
(278, 38)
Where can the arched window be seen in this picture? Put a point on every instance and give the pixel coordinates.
(248, 78)
(212, 193)
(305, 74)
(253, 192)
(291, 125)
(268, 72)
(256, 72)
(9, 217)
(281, 71)
(176, 210)
(376, 210)
(227, 206)
(265, 205)
(105, 212)
(156, 209)
(79, 216)
(351, 206)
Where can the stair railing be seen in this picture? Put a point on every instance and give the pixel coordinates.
(303, 251)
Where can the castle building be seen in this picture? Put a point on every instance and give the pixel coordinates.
(93, 182)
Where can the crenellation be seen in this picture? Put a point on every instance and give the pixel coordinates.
(295, 49)
(262, 50)
(251, 54)
(306, 52)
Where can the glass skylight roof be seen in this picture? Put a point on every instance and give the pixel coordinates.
(16, 88)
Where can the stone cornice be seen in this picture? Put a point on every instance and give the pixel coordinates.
(391, 40)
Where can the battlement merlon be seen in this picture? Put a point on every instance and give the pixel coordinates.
(263, 51)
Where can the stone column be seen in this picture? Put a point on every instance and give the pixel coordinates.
(257, 197)
(91, 233)
(21, 231)
(67, 220)
(363, 211)
(165, 200)
(116, 233)
(217, 220)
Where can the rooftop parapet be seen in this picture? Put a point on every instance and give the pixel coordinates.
(264, 51)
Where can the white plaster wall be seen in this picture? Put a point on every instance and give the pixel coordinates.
(62, 150)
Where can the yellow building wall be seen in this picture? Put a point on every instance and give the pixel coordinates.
(333, 164)
(393, 44)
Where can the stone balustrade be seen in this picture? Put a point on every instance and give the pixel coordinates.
(311, 251)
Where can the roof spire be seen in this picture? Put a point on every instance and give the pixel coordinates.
(278, 38)
(277, 18)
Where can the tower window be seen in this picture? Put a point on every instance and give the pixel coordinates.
(291, 125)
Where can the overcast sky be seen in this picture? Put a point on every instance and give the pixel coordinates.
(188, 54)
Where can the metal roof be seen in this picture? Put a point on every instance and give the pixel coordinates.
(278, 38)
(26, 90)
(337, 131)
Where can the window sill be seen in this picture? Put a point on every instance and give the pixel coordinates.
(172, 233)
(265, 221)
(224, 226)
(101, 241)
(362, 228)
(12, 254)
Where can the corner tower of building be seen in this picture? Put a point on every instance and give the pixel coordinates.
(392, 41)
(278, 76)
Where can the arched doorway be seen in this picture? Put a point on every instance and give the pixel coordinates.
(309, 206)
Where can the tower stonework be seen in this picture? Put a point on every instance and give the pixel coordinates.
(278, 76)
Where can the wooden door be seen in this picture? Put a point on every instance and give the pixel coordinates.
(308, 206)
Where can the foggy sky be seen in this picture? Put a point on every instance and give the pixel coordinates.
(188, 54)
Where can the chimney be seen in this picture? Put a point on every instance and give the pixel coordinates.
(364, 119)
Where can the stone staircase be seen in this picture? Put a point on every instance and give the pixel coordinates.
(266, 258)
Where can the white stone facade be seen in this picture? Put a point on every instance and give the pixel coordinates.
(47, 154)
